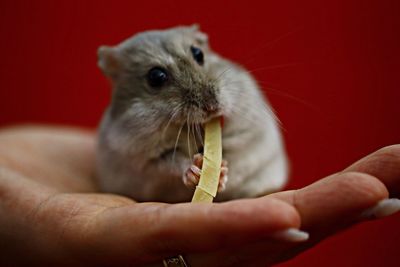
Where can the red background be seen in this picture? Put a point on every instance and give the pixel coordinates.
(331, 71)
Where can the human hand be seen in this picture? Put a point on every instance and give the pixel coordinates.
(50, 213)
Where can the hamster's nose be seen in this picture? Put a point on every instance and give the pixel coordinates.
(209, 101)
(211, 108)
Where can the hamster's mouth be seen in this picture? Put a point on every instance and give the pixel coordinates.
(212, 115)
(209, 115)
(199, 119)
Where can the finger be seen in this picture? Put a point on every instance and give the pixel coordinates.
(383, 164)
(331, 204)
(347, 190)
(162, 230)
(263, 252)
(337, 199)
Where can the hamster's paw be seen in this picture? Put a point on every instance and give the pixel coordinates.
(191, 176)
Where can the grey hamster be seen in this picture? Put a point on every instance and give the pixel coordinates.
(166, 85)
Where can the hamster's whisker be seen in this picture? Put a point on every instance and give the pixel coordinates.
(270, 90)
(266, 47)
(194, 134)
(269, 111)
(239, 93)
(273, 67)
(176, 142)
(222, 73)
(260, 107)
(174, 113)
(198, 132)
(279, 92)
(188, 136)
(254, 113)
(240, 114)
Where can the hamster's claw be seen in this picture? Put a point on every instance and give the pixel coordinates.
(191, 177)
(223, 177)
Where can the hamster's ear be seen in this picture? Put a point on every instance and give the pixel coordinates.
(195, 27)
(109, 60)
(200, 36)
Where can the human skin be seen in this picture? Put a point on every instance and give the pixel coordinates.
(51, 213)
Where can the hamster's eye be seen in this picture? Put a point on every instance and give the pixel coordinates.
(197, 55)
(157, 77)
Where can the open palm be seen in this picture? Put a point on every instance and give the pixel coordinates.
(51, 213)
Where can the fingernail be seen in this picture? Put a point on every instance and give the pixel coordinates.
(291, 235)
(384, 208)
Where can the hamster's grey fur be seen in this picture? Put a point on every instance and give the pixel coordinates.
(143, 125)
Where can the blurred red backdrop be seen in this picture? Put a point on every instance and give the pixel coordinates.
(331, 70)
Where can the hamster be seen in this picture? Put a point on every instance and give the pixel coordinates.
(166, 85)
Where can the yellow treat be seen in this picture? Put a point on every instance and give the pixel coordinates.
(207, 188)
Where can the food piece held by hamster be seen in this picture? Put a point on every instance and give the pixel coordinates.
(210, 177)
(166, 85)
